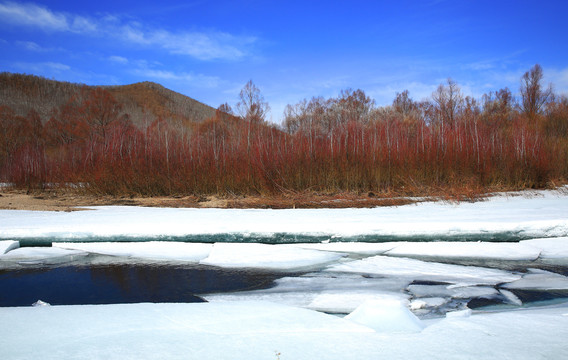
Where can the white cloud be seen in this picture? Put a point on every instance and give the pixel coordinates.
(43, 67)
(118, 59)
(83, 25)
(418, 91)
(32, 15)
(558, 78)
(31, 46)
(210, 45)
(192, 80)
(200, 45)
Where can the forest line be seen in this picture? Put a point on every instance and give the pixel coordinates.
(342, 144)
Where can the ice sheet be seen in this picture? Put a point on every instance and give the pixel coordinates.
(153, 250)
(550, 249)
(545, 215)
(467, 250)
(256, 330)
(40, 254)
(361, 248)
(7, 245)
(452, 292)
(270, 257)
(536, 279)
(422, 270)
(341, 294)
(427, 302)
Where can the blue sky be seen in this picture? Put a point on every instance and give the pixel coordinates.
(290, 49)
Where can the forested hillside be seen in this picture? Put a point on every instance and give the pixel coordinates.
(144, 139)
(143, 102)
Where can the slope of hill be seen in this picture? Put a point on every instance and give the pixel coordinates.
(144, 102)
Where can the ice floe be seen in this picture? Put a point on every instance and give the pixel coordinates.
(429, 291)
(337, 294)
(7, 245)
(552, 250)
(536, 279)
(386, 315)
(422, 270)
(40, 255)
(466, 250)
(152, 250)
(271, 257)
(360, 248)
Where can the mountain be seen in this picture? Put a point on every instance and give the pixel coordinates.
(143, 102)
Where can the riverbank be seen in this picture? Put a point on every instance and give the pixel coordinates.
(75, 200)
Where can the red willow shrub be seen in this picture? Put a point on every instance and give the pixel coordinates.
(336, 145)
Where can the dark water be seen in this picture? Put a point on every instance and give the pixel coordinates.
(111, 284)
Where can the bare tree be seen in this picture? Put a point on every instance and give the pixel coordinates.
(498, 107)
(252, 106)
(226, 109)
(448, 100)
(101, 110)
(533, 96)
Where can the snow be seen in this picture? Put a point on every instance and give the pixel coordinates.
(262, 256)
(422, 270)
(152, 250)
(390, 316)
(260, 330)
(545, 214)
(376, 282)
(7, 245)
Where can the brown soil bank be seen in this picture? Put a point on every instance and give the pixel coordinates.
(62, 200)
(73, 200)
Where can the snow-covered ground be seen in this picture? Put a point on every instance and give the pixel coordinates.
(383, 285)
(261, 330)
(544, 214)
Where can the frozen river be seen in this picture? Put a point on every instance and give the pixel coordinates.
(273, 277)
